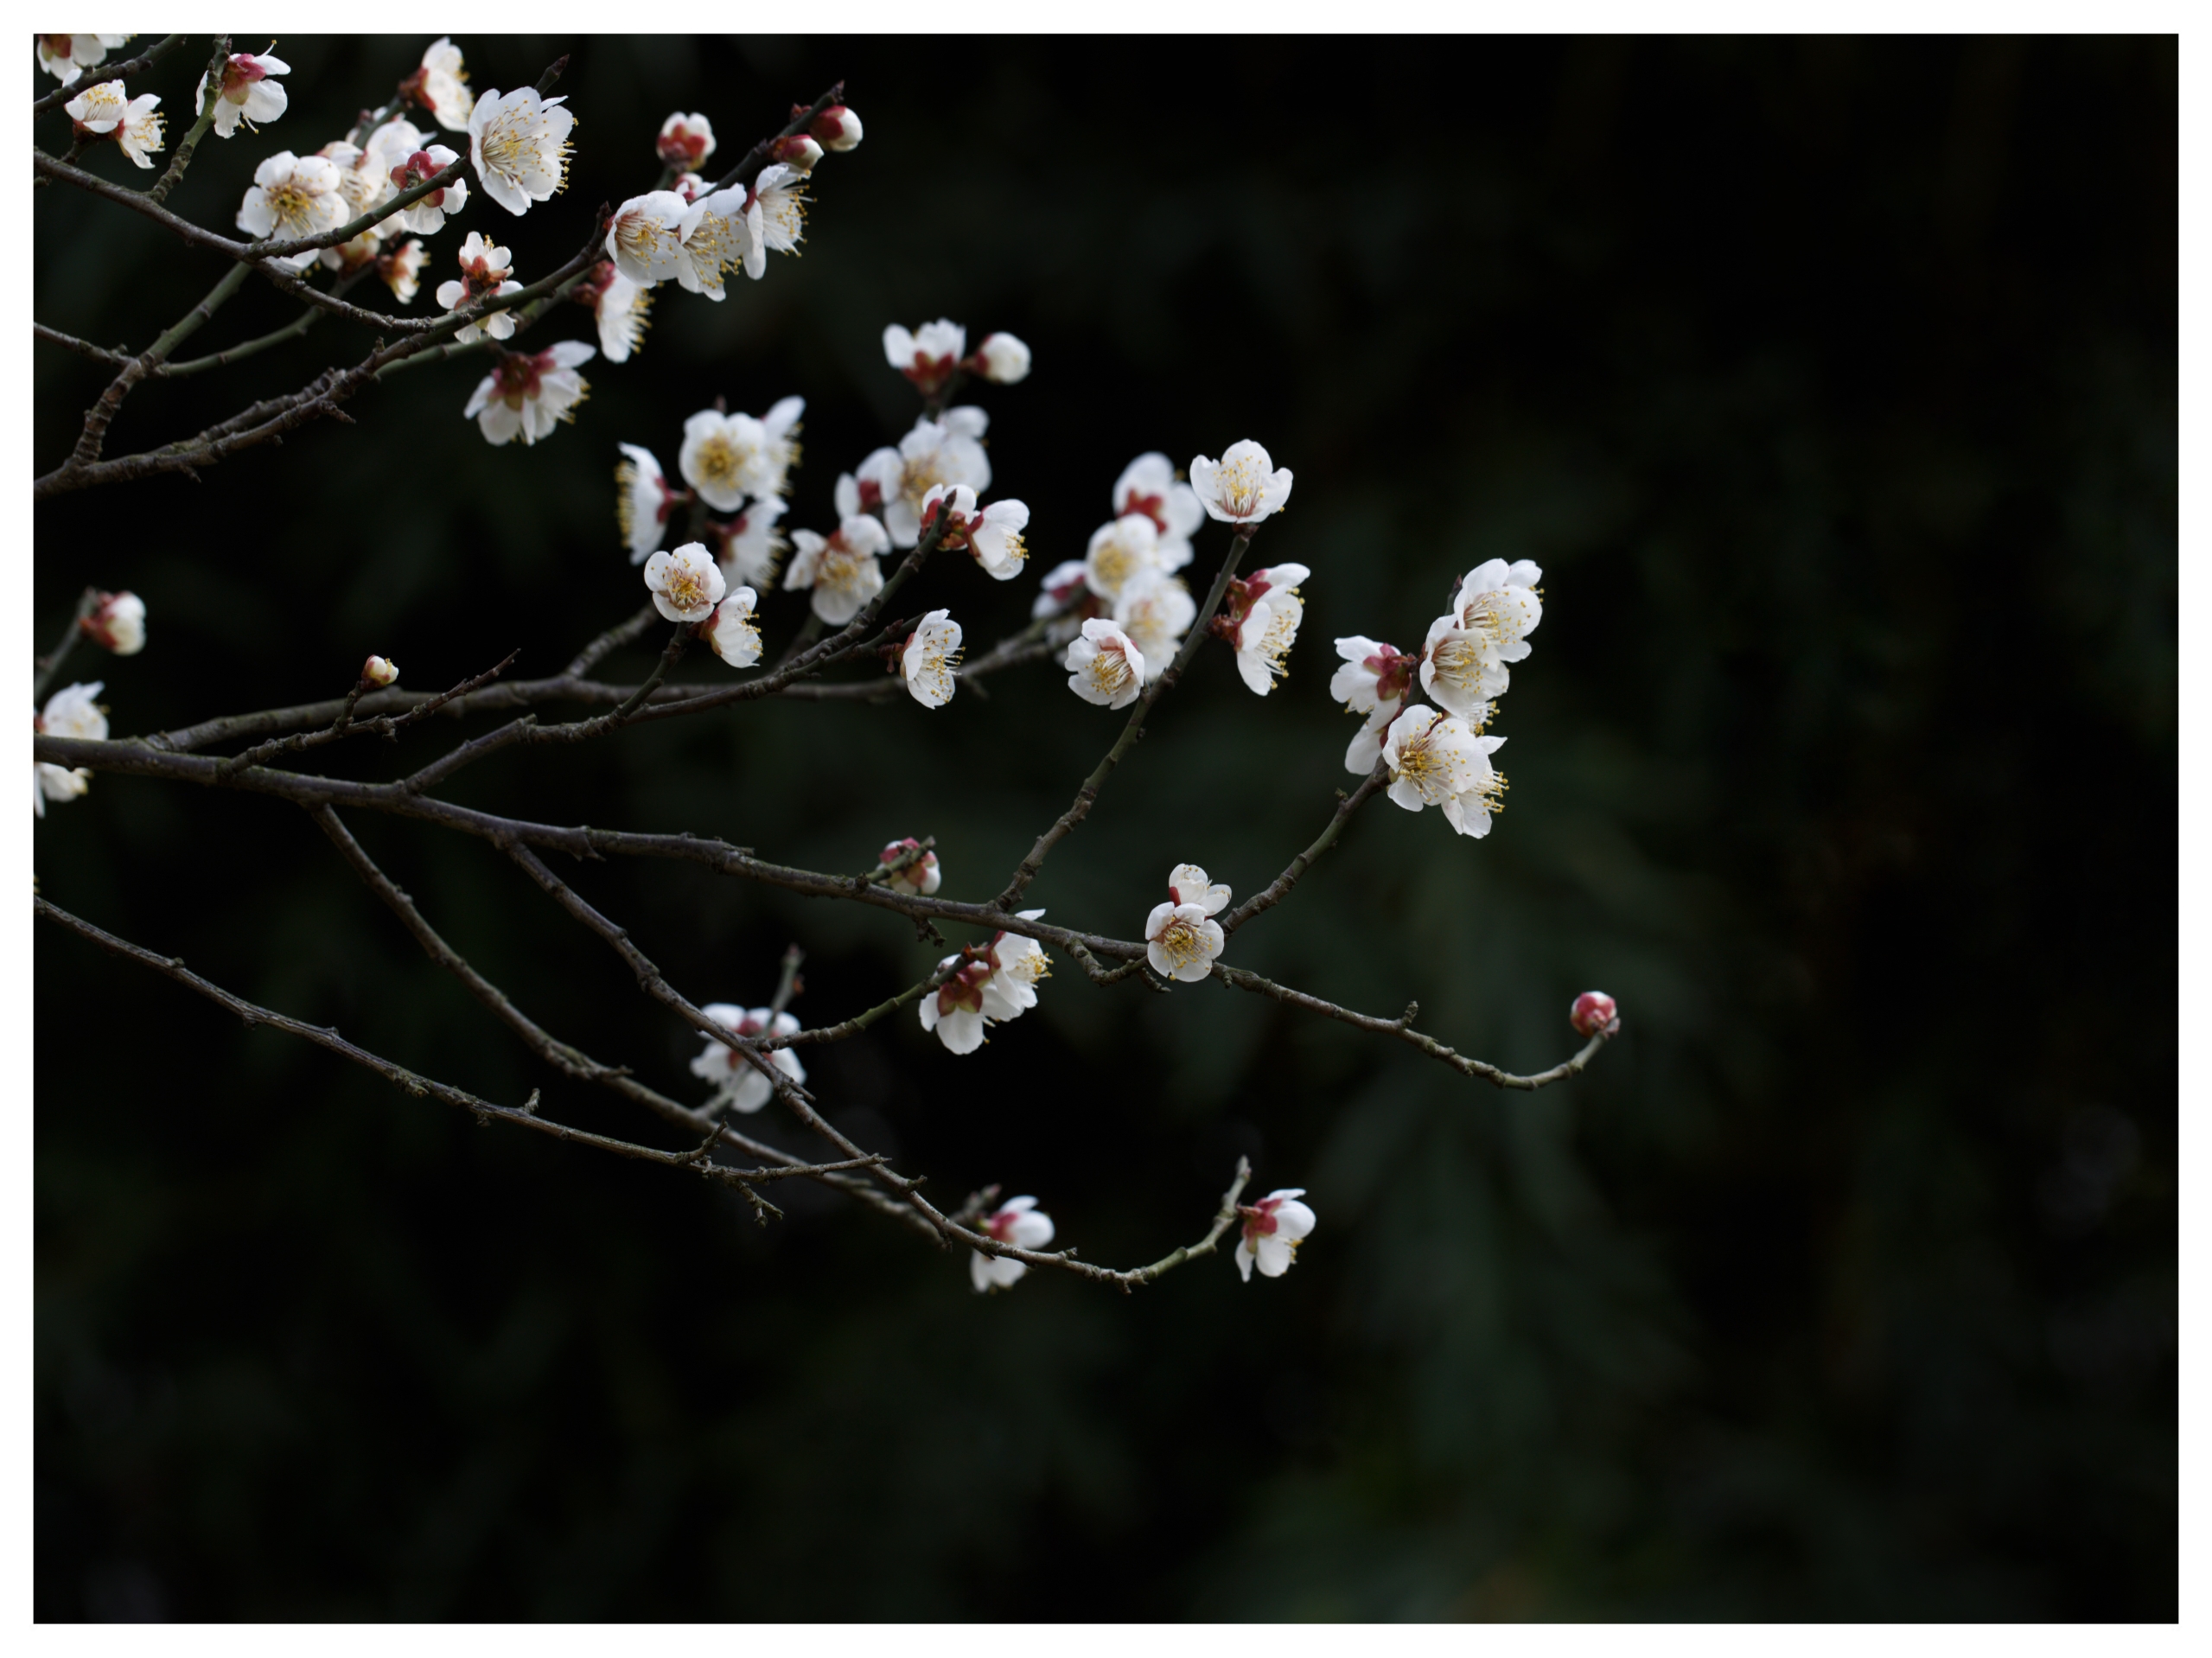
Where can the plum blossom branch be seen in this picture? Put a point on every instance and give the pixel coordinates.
(343, 725)
(146, 60)
(210, 81)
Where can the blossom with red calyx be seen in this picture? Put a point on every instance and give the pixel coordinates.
(1189, 884)
(428, 216)
(930, 356)
(686, 142)
(527, 396)
(731, 632)
(993, 535)
(440, 86)
(1593, 1012)
(996, 983)
(739, 1083)
(686, 584)
(838, 127)
(1019, 1223)
(401, 271)
(247, 94)
(841, 569)
(66, 57)
(1272, 1230)
(918, 879)
(1373, 681)
(1261, 622)
(117, 623)
(749, 547)
(798, 152)
(484, 270)
(378, 671)
(620, 306)
(1149, 485)
(643, 500)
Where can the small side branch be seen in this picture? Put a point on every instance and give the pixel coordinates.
(1280, 889)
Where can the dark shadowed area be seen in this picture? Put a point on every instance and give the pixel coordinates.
(1833, 385)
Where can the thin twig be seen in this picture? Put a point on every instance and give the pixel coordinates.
(1280, 889)
(45, 669)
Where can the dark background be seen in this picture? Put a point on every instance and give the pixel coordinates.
(1833, 383)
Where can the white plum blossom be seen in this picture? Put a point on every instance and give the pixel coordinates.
(932, 654)
(738, 1082)
(992, 535)
(1262, 622)
(838, 128)
(947, 451)
(732, 631)
(1120, 553)
(1105, 666)
(527, 395)
(133, 121)
(1273, 1229)
(1020, 1224)
(1373, 681)
(379, 671)
(66, 57)
(70, 712)
(1149, 485)
(993, 984)
(1002, 359)
(717, 234)
(686, 584)
(401, 271)
(750, 546)
(727, 457)
(919, 879)
(642, 500)
(248, 95)
(427, 216)
(841, 569)
(1188, 883)
(440, 86)
(520, 142)
(1495, 610)
(1155, 611)
(117, 623)
(775, 215)
(930, 355)
(293, 196)
(645, 238)
(1180, 939)
(686, 142)
(1243, 487)
(621, 306)
(1440, 760)
(485, 270)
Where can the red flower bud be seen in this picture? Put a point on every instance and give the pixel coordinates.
(1593, 1012)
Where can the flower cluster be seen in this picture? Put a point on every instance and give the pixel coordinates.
(739, 1084)
(439, 84)
(936, 355)
(993, 983)
(66, 57)
(1442, 759)
(485, 270)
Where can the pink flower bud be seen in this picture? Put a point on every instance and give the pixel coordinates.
(838, 128)
(119, 624)
(377, 671)
(800, 152)
(1594, 1011)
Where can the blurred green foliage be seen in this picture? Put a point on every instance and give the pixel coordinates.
(1833, 383)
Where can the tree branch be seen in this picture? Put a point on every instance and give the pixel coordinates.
(1280, 889)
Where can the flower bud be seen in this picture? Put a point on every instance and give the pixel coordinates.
(1001, 358)
(1594, 1011)
(838, 128)
(377, 671)
(798, 152)
(685, 141)
(918, 879)
(119, 623)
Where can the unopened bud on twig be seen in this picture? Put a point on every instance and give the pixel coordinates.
(1594, 1011)
(837, 127)
(377, 671)
(119, 623)
(798, 152)
(919, 878)
(685, 141)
